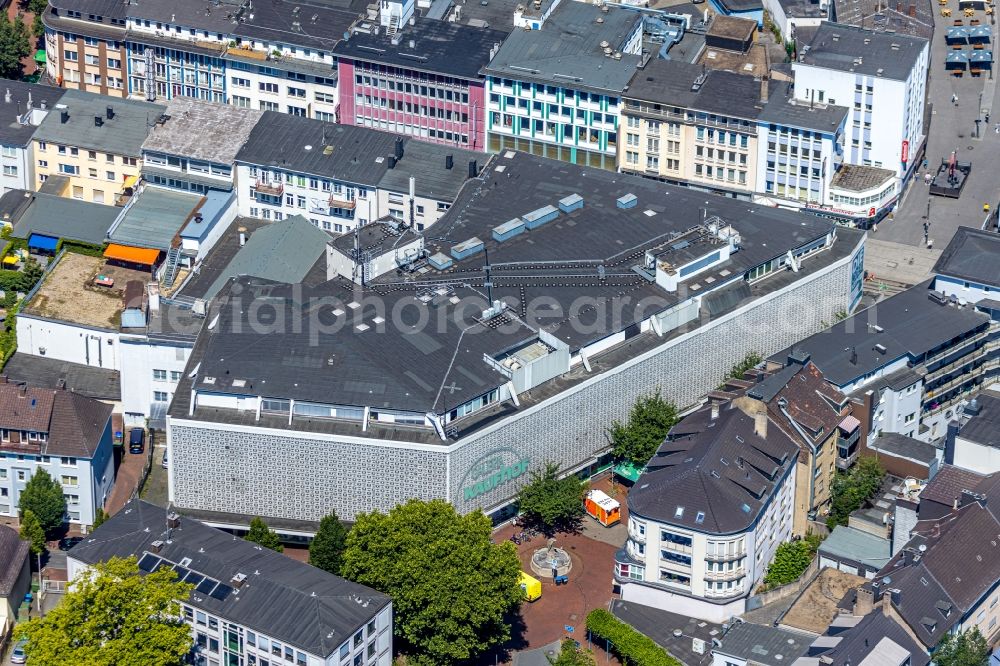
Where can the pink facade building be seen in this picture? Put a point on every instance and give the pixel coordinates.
(424, 82)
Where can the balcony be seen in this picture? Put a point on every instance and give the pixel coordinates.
(676, 547)
(340, 201)
(724, 557)
(271, 189)
(735, 574)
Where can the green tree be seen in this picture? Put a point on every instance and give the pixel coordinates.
(99, 518)
(30, 275)
(14, 45)
(43, 496)
(33, 532)
(851, 489)
(966, 648)
(451, 587)
(790, 560)
(114, 615)
(37, 6)
(551, 502)
(327, 548)
(572, 655)
(262, 534)
(749, 362)
(649, 421)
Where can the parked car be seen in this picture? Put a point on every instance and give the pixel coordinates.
(69, 542)
(136, 437)
(17, 655)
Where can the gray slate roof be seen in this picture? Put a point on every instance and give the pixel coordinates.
(901, 446)
(290, 601)
(438, 47)
(912, 325)
(567, 52)
(717, 480)
(426, 163)
(64, 218)
(86, 380)
(202, 130)
(783, 108)
(12, 131)
(764, 645)
(13, 553)
(279, 141)
(865, 641)
(282, 251)
(838, 46)
(121, 135)
(672, 82)
(984, 427)
(972, 255)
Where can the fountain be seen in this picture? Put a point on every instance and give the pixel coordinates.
(544, 560)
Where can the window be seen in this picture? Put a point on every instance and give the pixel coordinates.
(175, 375)
(69, 169)
(239, 82)
(268, 87)
(296, 92)
(9, 170)
(70, 480)
(160, 396)
(159, 375)
(67, 462)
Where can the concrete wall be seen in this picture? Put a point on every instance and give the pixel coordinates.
(978, 458)
(65, 341)
(236, 469)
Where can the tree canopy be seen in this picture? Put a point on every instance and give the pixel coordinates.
(649, 421)
(327, 548)
(15, 44)
(966, 648)
(791, 559)
(114, 616)
(43, 496)
(551, 502)
(33, 532)
(451, 587)
(851, 489)
(260, 533)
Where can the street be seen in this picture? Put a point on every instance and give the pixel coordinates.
(952, 128)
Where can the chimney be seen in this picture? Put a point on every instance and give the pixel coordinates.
(173, 520)
(763, 90)
(3, 379)
(715, 410)
(109, 112)
(156, 546)
(398, 150)
(98, 121)
(912, 11)
(854, 356)
(864, 601)
(760, 424)
(7, 97)
(64, 116)
(243, 236)
(413, 44)
(23, 388)
(449, 162)
(61, 384)
(391, 162)
(473, 169)
(44, 105)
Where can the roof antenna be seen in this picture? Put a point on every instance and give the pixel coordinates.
(489, 281)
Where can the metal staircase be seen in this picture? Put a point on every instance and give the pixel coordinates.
(173, 263)
(393, 25)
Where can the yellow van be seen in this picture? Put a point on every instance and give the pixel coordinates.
(532, 587)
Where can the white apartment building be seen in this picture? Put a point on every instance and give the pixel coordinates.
(62, 432)
(340, 177)
(322, 620)
(25, 106)
(707, 515)
(881, 78)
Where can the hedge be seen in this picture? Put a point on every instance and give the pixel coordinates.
(631, 647)
(79, 248)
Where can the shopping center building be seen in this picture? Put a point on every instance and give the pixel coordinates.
(545, 301)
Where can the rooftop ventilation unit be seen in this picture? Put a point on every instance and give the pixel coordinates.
(440, 261)
(508, 230)
(880, 349)
(537, 218)
(467, 248)
(571, 203)
(627, 201)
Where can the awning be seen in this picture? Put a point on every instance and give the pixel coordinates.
(40, 57)
(41, 242)
(849, 424)
(133, 255)
(627, 470)
(130, 181)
